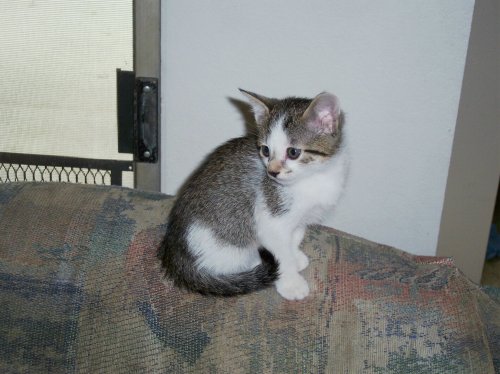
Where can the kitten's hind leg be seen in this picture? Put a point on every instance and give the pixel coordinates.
(217, 257)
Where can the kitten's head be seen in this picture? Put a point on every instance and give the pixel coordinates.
(296, 136)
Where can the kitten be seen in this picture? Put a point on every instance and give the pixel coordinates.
(237, 223)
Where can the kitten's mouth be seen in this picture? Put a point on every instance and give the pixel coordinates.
(275, 178)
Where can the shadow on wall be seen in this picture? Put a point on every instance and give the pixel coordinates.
(246, 113)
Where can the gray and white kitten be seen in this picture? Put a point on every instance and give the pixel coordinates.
(237, 223)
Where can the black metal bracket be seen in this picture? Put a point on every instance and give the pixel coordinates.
(137, 116)
(125, 88)
(146, 125)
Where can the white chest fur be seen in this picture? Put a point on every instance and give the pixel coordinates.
(309, 198)
(320, 191)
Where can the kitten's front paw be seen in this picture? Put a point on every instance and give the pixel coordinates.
(292, 287)
(301, 260)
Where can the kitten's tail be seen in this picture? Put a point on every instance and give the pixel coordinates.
(260, 277)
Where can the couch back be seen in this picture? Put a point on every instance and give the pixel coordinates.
(81, 290)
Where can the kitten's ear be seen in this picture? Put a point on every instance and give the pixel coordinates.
(323, 114)
(260, 105)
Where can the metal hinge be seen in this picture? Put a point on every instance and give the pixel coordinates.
(137, 116)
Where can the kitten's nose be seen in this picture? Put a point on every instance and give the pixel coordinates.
(274, 167)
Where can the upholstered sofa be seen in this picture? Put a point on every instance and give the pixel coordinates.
(81, 290)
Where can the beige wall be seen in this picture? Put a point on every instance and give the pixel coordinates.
(475, 159)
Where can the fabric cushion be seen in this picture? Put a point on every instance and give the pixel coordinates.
(81, 290)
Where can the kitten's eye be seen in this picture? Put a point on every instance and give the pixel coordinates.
(293, 153)
(264, 150)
